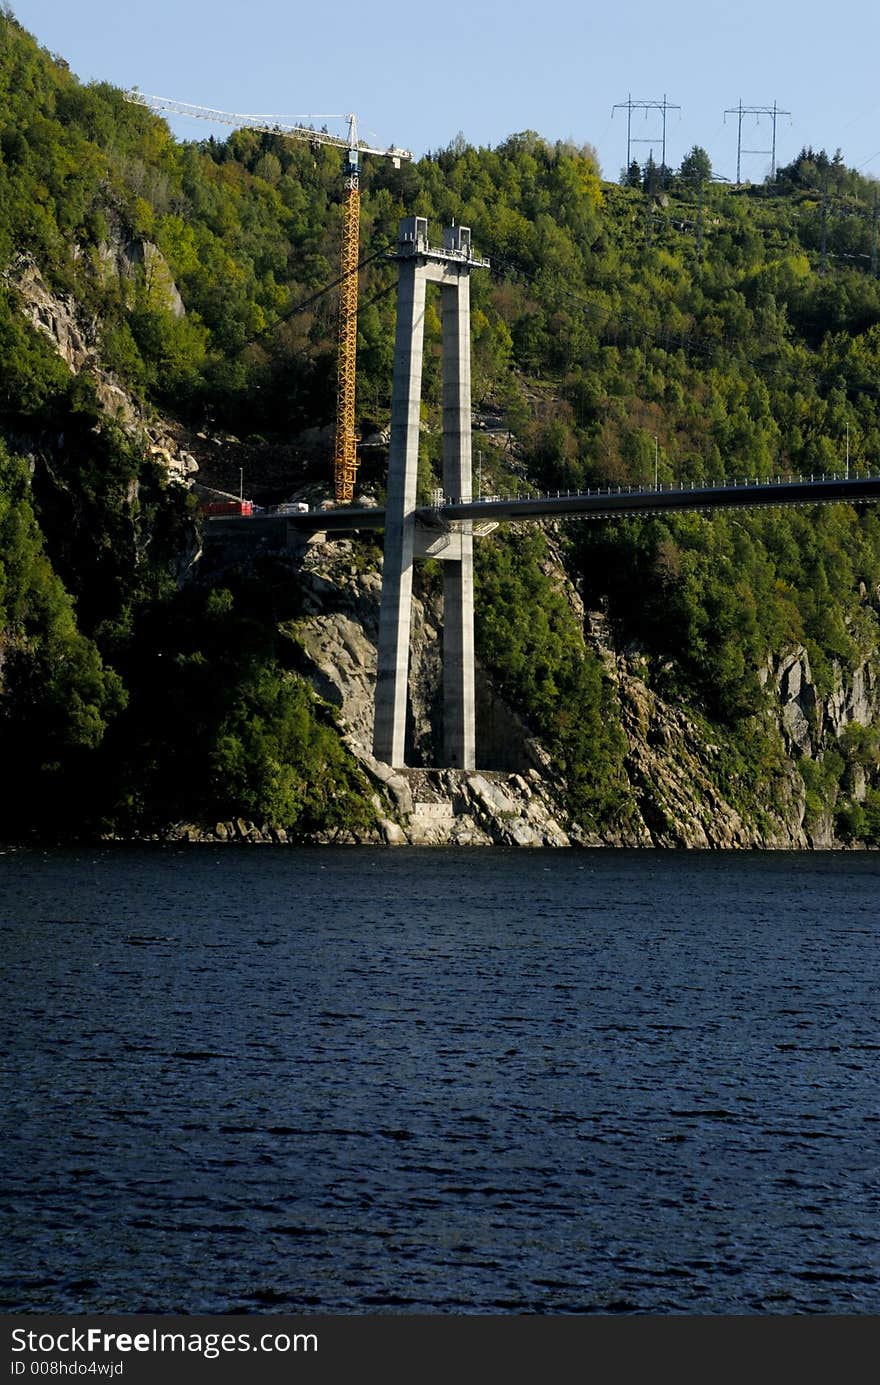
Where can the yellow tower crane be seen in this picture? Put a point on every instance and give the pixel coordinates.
(344, 450)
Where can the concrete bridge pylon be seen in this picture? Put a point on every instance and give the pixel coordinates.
(405, 542)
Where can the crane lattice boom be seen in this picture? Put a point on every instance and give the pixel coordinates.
(270, 124)
(345, 450)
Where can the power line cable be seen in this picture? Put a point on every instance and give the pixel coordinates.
(304, 304)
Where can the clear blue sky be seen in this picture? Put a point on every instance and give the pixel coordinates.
(417, 75)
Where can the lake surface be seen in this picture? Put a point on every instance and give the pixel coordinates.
(262, 1080)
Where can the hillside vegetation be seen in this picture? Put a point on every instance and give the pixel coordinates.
(669, 326)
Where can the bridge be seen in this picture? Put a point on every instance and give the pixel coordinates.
(445, 530)
(605, 502)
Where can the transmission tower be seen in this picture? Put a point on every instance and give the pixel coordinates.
(757, 111)
(629, 105)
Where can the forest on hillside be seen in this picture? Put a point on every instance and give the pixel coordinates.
(666, 323)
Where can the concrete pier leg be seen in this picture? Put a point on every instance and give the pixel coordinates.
(459, 732)
(392, 674)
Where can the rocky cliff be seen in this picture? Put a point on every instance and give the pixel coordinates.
(76, 337)
(418, 806)
(680, 796)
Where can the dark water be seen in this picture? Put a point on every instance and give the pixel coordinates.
(268, 1080)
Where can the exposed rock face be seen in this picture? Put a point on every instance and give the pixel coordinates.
(670, 767)
(812, 722)
(797, 698)
(447, 807)
(76, 338)
(73, 336)
(340, 636)
(55, 315)
(128, 257)
(678, 802)
(671, 762)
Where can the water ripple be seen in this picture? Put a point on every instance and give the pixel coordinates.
(482, 1082)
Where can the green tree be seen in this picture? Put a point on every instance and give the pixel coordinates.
(696, 168)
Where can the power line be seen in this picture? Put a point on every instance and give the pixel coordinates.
(305, 303)
(629, 105)
(757, 111)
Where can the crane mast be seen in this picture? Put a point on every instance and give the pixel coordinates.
(344, 447)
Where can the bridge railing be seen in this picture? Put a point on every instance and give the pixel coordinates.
(746, 482)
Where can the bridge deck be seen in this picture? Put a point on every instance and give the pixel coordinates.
(598, 504)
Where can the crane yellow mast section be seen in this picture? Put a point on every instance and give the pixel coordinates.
(344, 450)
